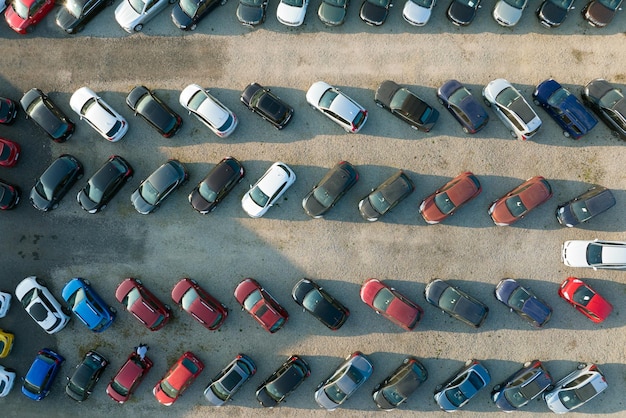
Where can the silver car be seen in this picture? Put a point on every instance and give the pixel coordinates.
(509, 12)
(344, 111)
(512, 109)
(595, 254)
(575, 389)
(334, 391)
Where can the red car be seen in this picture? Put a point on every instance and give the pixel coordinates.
(178, 378)
(454, 194)
(200, 304)
(585, 299)
(9, 152)
(124, 383)
(391, 304)
(261, 305)
(21, 15)
(521, 200)
(139, 301)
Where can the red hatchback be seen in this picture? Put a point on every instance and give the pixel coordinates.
(391, 304)
(200, 304)
(9, 152)
(454, 194)
(124, 383)
(519, 201)
(585, 299)
(261, 305)
(139, 301)
(21, 15)
(178, 378)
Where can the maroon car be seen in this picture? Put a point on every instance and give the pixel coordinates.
(519, 201)
(391, 304)
(454, 194)
(9, 152)
(199, 303)
(139, 301)
(261, 305)
(130, 375)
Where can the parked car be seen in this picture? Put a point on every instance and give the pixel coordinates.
(9, 196)
(86, 375)
(325, 194)
(386, 196)
(9, 152)
(399, 385)
(5, 303)
(339, 386)
(608, 102)
(283, 382)
(128, 378)
(199, 303)
(456, 303)
(564, 108)
(552, 13)
(142, 303)
(393, 305)
(178, 378)
(55, 182)
(462, 104)
(8, 110)
(75, 14)
(586, 300)
(7, 379)
(38, 380)
(514, 205)
(222, 178)
(509, 12)
(158, 186)
(462, 12)
(87, 305)
(268, 189)
(375, 12)
(23, 15)
(208, 110)
(406, 106)
(522, 386)
(600, 13)
(575, 389)
(418, 12)
(333, 12)
(461, 387)
(319, 303)
(291, 12)
(41, 305)
(153, 110)
(581, 209)
(96, 112)
(254, 299)
(133, 14)
(523, 302)
(595, 254)
(6, 343)
(337, 106)
(266, 104)
(47, 115)
(446, 200)
(104, 184)
(229, 380)
(187, 13)
(251, 12)
(512, 109)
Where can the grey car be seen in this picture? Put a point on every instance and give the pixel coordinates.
(575, 389)
(325, 194)
(55, 182)
(406, 105)
(352, 373)
(509, 12)
(161, 183)
(608, 102)
(333, 12)
(581, 209)
(386, 196)
(456, 303)
(399, 385)
(229, 380)
(522, 386)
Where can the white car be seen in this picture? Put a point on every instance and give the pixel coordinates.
(7, 378)
(208, 110)
(106, 121)
(291, 12)
(5, 303)
(41, 305)
(575, 389)
(509, 12)
(133, 14)
(344, 111)
(418, 12)
(266, 191)
(595, 254)
(512, 109)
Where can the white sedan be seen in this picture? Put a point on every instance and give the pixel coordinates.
(41, 305)
(418, 12)
(344, 111)
(106, 121)
(265, 192)
(291, 12)
(133, 14)
(7, 378)
(575, 389)
(208, 110)
(595, 254)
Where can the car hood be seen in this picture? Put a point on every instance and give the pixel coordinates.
(85, 202)
(537, 310)
(324, 401)
(553, 13)
(180, 18)
(250, 15)
(15, 21)
(251, 208)
(65, 20)
(331, 15)
(291, 15)
(40, 202)
(367, 210)
(312, 206)
(373, 13)
(575, 253)
(577, 112)
(140, 204)
(599, 13)
(507, 14)
(416, 13)
(198, 202)
(461, 13)
(126, 16)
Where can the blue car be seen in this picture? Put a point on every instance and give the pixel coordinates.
(522, 386)
(462, 104)
(523, 302)
(87, 305)
(36, 384)
(564, 108)
(463, 386)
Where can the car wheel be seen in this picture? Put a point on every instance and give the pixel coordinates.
(466, 130)
(193, 27)
(566, 134)
(87, 282)
(550, 388)
(137, 281)
(379, 104)
(438, 388)
(528, 363)
(56, 205)
(440, 101)
(40, 282)
(168, 308)
(138, 28)
(103, 207)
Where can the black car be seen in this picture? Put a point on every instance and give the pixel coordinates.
(375, 12)
(251, 12)
(146, 104)
(216, 185)
(462, 12)
(104, 184)
(608, 103)
(54, 183)
(386, 196)
(600, 13)
(456, 303)
(86, 375)
(47, 115)
(75, 14)
(337, 181)
(462, 104)
(406, 105)
(522, 386)
(333, 12)
(267, 105)
(523, 302)
(8, 111)
(161, 183)
(400, 384)
(187, 13)
(584, 207)
(9, 196)
(283, 381)
(552, 13)
(314, 299)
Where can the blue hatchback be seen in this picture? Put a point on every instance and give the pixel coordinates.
(564, 108)
(36, 384)
(87, 305)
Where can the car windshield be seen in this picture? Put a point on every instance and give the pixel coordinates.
(558, 97)
(207, 193)
(76, 298)
(458, 96)
(383, 299)
(169, 389)
(569, 398)
(507, 97)
(518, 298)
(252, 299)
(378, 201)
(219, 391)
(515, 206)
(189, 297)
(515, 397)
(189, 6)
(449, 298)
(119, 388)
(610, 98)
(74, 7)
(594, 254)
(424, 3)
(583, 295)
(563, 4)
(20, 9)
(444, 204)
(43, 191)
(334, 393)
(327, 98)
(456, 397)
(399, 96)
(580, 210)
(611, 4)
(94, 193)
(132, 297)
(259, 197)
(294, 3)
(196, 100)
(518, 4)
(323, 197)
(149, 193)
(392, 395)
(137, 5)
(339, 3)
